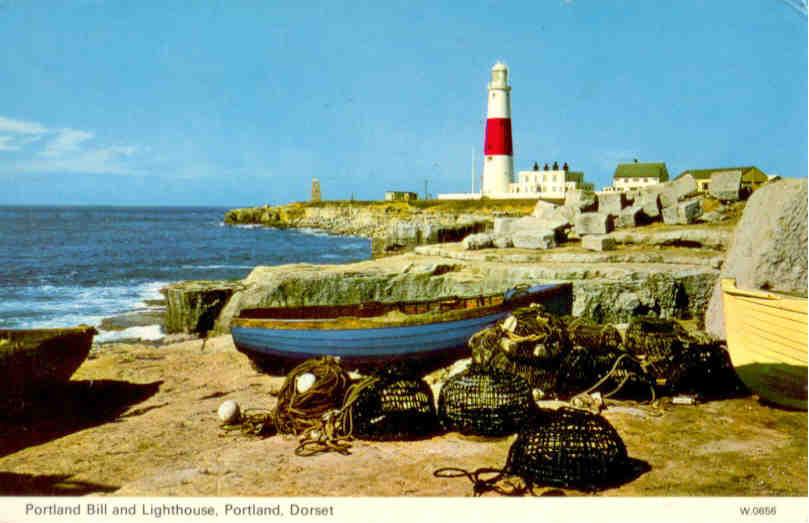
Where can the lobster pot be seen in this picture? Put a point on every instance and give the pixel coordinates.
(485, 402)
(394, 408)
(705, 370)
(572, 449)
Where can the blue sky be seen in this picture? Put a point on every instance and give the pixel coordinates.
(242, 103)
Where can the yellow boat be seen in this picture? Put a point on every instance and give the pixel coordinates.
(767, 342)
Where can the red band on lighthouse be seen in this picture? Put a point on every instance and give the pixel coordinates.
(498, 137)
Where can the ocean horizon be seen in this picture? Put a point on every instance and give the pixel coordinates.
(62, 265)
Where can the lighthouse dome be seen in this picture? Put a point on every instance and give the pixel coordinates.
(499, 76)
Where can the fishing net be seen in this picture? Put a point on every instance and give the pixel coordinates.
(310, 390)
(600, 337)
(485, 401)
(568, 448)
(528, 343)
(390, 407)
(704, 370)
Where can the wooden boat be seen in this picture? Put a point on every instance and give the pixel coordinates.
(766, 335)
(32, 358)
(370, 334)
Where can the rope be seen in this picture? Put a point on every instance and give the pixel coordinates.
(481, 485)
(254, 422)
(334, 430)
(298, 412)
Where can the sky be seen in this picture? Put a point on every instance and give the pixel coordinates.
(242, 103)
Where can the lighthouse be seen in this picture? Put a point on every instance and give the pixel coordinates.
(498, 161)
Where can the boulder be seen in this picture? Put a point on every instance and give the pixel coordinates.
(769, 246)
(726, 186)
(475, 242)
(611, 203)
(598, 242)
(584, 201)
(630, 217)
(593, 223)
(678, 190)
(193, 306)
(534, 240)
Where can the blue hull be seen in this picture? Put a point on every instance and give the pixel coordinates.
(290, 335)
(363, 345)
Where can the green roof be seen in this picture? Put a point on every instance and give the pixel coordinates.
(574, 176)
(705, 174)
(642, 170)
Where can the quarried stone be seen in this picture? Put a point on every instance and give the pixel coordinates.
(598, 242)
(726, 185)
(534, 240)
(630, 216)
(611, 203)
(584, 201)
(678, 190)
(593, 223)
(478, 241)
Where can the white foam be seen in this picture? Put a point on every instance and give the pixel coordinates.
(72, 305)
(143, 333)
(313, 232)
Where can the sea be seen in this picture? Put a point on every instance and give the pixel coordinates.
(63, 266)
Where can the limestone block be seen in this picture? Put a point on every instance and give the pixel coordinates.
(690, 210)
(584, 201)
(544, 210)
(630, 216)
(611, 203)
(678, 190)
(478, 241)
(649, 200)
(598, 242)
(502, 241)
(670, 216)
(593, 223)
(726, 185)
(683, 213)
(503, 225)
(529, 224)
(534, 240)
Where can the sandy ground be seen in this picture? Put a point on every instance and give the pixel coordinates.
(140, 420)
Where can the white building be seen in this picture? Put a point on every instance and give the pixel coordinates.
(635, 175)
(548, 184)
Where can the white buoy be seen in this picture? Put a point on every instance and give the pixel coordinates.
(229, 412)
(304, 382)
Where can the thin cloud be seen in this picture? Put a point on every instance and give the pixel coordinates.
(65, 150)
(66, 141)
(7, 143)
(11, 126)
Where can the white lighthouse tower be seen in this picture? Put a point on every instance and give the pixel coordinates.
(498, 160)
